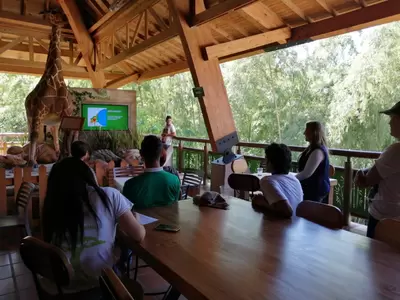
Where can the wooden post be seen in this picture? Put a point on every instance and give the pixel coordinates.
(3, 192)
(207, 78)
(347, 189)
(238, 150)
(42, 188)
(17, 181)
(205, 162)
(180, 157)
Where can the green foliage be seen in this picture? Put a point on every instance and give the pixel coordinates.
(116, 141)
(77, 99)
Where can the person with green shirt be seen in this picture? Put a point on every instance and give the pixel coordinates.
(154, 187)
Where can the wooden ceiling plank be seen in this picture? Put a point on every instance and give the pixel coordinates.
(97, 12)
(295, 9)
(219, 10)
(371, 15)
(326, 6)
(263, 15)
(151, 42)
(127, 13)
(84, 40)
(158, 19)
(167, 70)
(12, 44)
(248, 43)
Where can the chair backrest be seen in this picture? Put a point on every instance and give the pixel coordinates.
(240, 166)
(387, 231)
(193, 178)
(323, 214)
(243, 183)
(111, 286)
(24, 194)
(47, 261)
(331, 171)
(129, 171)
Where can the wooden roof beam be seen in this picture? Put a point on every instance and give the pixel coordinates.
(84, 40)
(138, 48)
(125, 14)
(37, 68)
(376, 14)
(219, 10)
(248, 43)
(124, 80)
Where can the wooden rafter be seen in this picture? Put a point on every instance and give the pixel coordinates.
(327, 7)
(263, 15)
(135, 33)
(31, 51)
(84, 40)
(122, 81)
(158, 19)
(248, 43)
(371, 15)
(219, 10)
(127, 13)
(295, 9)
(151, 42)
(12, 44)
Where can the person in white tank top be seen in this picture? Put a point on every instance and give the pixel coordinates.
(384, 176)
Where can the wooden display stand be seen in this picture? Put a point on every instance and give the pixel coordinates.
(220, 172)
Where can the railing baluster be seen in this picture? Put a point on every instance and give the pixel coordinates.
(347, 191)
(180, 156)
(238, 150)
(205, 163)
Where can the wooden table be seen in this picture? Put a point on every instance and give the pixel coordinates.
(333, 182)
(240, 254)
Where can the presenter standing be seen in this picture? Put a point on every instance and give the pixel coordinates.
(167, 135)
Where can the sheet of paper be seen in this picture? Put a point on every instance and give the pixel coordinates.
(144, 220)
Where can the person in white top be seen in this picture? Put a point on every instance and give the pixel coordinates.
(282, 191)
(168, 132)
(80, 217)
(385, 176)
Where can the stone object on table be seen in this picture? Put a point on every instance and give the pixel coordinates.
(211, 199)
(10, 161)
(45, 154)
(15, 150)
(132, 157)
(105, 155)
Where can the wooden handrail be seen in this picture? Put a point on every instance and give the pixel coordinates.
(332, 151)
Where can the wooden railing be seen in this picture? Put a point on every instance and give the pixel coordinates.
(8, 140)
(351, 200)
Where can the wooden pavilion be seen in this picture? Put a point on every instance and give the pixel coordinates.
(115, 42)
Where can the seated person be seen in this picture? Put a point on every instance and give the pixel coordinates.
(81, 150)
(154, 187)
(80, 218)
(384, 177)
(282, 191)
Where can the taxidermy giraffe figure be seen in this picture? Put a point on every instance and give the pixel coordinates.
(49, 101)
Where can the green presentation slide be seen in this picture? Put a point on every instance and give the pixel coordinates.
(105, 117)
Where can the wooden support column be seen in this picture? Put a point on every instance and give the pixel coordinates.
(84, 39)
(347, 190)
(214, 103)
